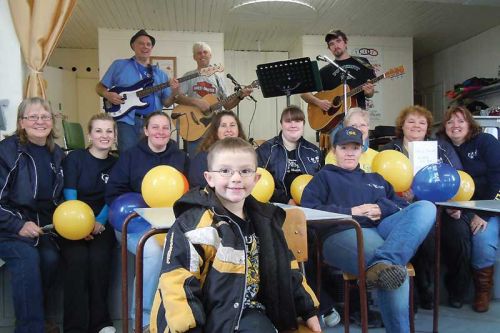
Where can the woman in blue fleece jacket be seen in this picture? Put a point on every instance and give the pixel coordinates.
(392, 228)
(126, 176)
(480, 156)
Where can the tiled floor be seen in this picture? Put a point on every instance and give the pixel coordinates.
(450, 321)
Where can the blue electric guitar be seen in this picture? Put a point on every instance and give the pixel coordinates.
(132, 95)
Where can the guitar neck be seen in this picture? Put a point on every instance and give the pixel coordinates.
(359, 89)
(153, 89)
(221, 103)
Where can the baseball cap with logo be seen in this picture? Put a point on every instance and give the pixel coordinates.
(348, 135)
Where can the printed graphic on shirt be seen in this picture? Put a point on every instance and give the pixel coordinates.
(204, 88)
(253, 277)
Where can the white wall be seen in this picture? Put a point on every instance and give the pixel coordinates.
(115, 44)
(11, 67)
(391, 95)
(478, 56)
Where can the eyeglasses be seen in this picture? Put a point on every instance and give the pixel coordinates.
(35, 117)
(229, 172)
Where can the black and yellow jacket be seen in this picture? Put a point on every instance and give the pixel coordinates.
(203, 276)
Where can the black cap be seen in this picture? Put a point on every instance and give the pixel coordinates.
(333, 34)
(139, 33)
(348, 135)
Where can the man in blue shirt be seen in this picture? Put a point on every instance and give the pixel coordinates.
(127, 72)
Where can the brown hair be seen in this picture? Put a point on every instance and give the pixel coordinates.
(231, 144)
(413, 109)
(292, 113)
(211, 134)
(21, 132)
(474, 128)
(153, 114)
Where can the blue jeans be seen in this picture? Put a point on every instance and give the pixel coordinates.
(33, 270)
(394, 240)
(485, 244)
(129, 135)
(153, 254)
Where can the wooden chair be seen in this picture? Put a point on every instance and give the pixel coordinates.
(295, 230)
(348, 284)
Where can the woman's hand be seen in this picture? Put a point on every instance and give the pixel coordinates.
(313, 324)
(30, 229)
(372, 211)
(408, 195)
(477, 224)
(98, 228)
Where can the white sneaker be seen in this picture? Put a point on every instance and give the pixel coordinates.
(332, 318)
(108, 329)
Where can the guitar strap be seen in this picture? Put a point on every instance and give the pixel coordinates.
(363, 62)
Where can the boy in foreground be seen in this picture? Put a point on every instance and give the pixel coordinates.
(226, 264)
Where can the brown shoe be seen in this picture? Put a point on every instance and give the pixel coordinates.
(385, 276)
(483, 284)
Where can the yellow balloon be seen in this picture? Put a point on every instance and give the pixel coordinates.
(74, 220)
(298, 185)
(160, 238)
(264, 189)
(162, 186)
(330, 158)
(466, 189)
(395, 167)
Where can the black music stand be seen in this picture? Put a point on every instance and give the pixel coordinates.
(289, 77)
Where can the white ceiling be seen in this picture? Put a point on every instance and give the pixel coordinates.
(434, 25)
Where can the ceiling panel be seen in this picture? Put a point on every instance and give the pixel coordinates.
(434, 25)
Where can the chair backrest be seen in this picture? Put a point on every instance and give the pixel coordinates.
(295, 230)
(73, 135)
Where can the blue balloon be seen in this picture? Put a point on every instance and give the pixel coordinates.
(122, 207)
(436, 182)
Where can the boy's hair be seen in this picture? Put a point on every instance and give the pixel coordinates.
(231, 144)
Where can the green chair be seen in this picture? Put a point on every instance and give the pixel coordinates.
(73, 136)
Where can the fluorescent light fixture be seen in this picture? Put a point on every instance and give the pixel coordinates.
(251, 2)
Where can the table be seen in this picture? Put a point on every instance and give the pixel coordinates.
(161, 219)
(475, 205)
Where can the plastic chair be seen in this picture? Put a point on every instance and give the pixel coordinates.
(73, 136)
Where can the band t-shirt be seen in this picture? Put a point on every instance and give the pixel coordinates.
(331, 76)
(203, 85)
(292, 169)
(88, 175)
(250, 300)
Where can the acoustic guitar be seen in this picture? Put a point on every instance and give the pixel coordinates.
(193, 122)
(326, 120)
(132, 95)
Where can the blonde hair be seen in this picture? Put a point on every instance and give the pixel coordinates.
(357, 111)
(230, 144)
(100, 116)
(21, 110)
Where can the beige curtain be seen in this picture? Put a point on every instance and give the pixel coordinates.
(39, 24)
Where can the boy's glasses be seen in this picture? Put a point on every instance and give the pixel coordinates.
(229, 172)
(35, 117)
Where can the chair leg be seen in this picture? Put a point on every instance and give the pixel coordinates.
(412, 310)
(347, 290)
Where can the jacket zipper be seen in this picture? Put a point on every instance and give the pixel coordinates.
(246, 268)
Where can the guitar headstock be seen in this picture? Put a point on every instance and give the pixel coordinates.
(394, 72)
(210, 70)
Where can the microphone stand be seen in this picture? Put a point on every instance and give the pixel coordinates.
(344, 75)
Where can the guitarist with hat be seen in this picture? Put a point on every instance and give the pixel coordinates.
(359, 68)
(193, 91)
(127, 72)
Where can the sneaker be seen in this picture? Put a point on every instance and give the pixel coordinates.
(332, 318)
(108, 329)
(385, 276)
